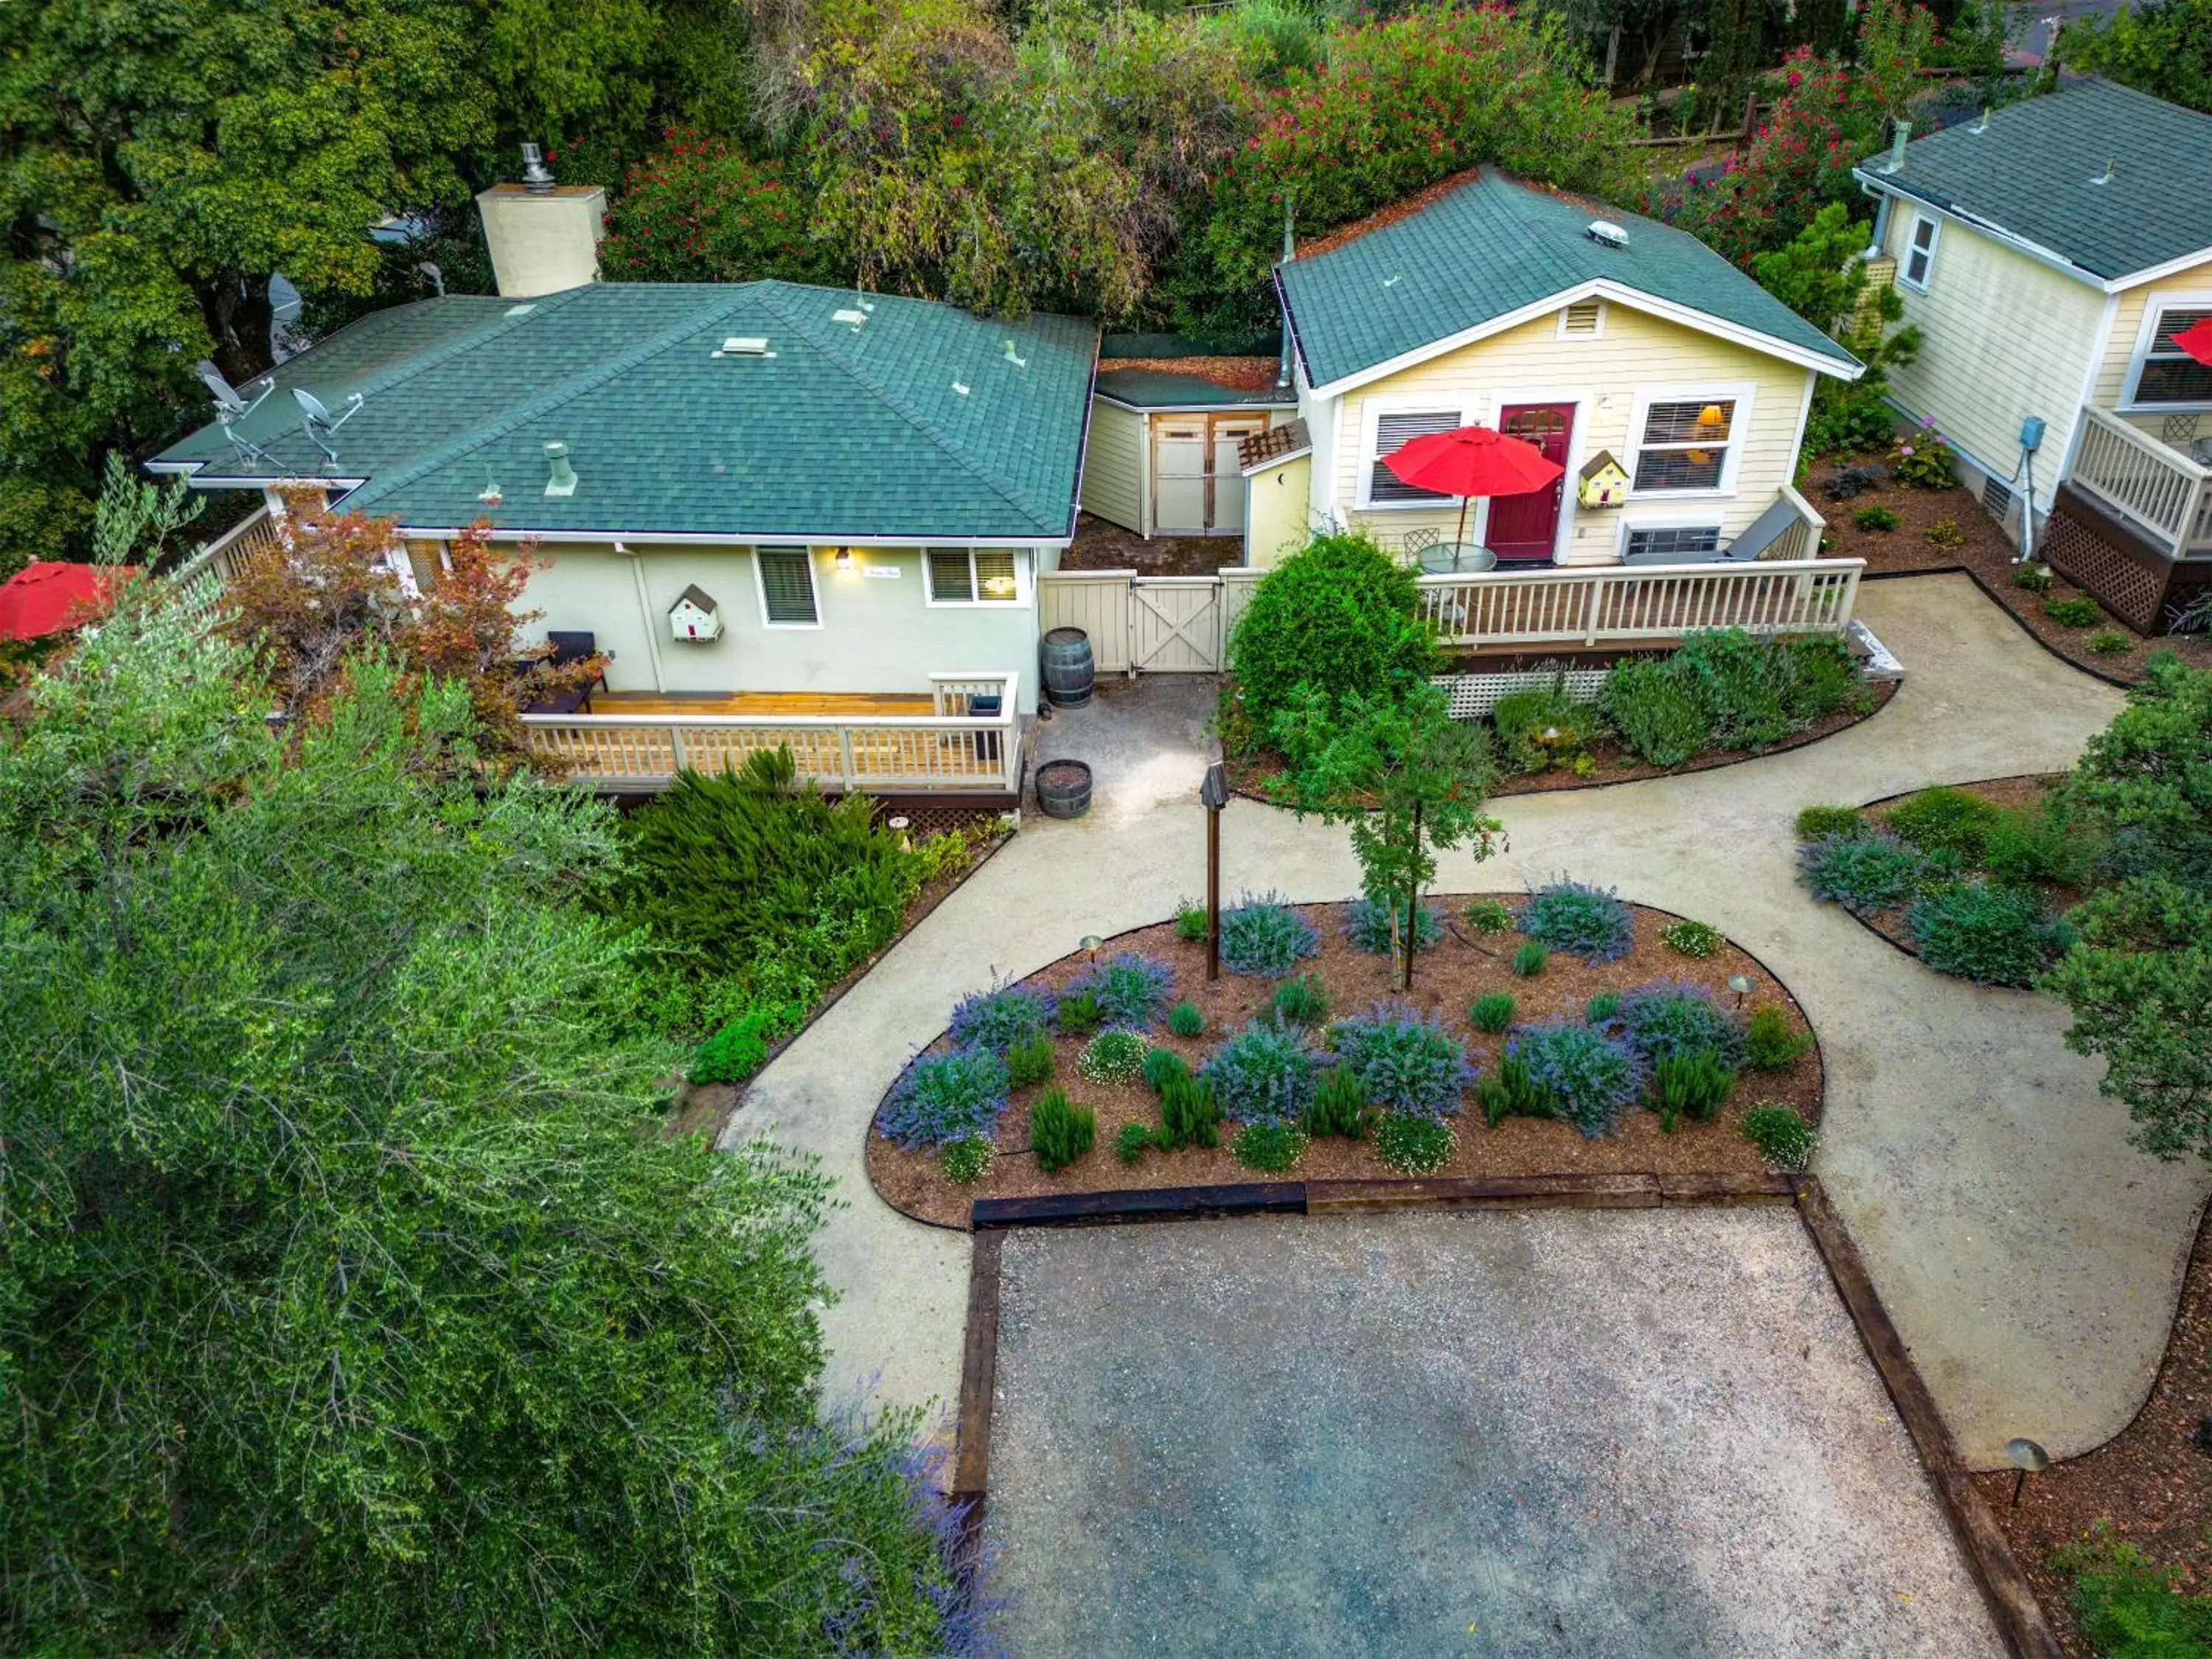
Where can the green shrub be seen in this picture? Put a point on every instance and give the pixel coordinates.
(1340, 1106)
(1404, 1060)
(1586, 1077)
(1270, 1148)
(1760, 691)
(1667, 1017)
(1658, 712)
(1583, 920)
(2108, 642)
(1529, 961)
(964, 1160)
(1190, 923)
(944, 1096)
(1414, 1145)
(1264, 1074)
(1993, 935)
(1782, 1137)
(739, 1049)
(1869, 870)
(1692, 939)
(1814, 822)
(1078, 1015)
(1542, 726)
(1113, 1057)
(2129, 1608)
(1693, 1085)
(1002, 1018)
(1030, 1063)
(1508, 1091)
(1875, 518)
(1265, 937)
(1303, 1000)
(1190, 1114)
(2049, 845)
(1341, 615)
(1130, 988)
(1770, 1043)
(1060, 1130)
(1130, 1141)
(1605, 1006)
(1488, 915)
(1369, 925)
(1944, 532)
(1921, 460)
(1492, 1013)
(2074, 610)
(2035, 578)
(1945, 818)
(1185, 1021)
(1163, 1065)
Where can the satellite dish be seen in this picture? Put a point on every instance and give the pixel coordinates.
(228, 404)
(319, 419)
(318, 411)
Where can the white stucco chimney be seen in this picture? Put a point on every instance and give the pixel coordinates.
(543, 237)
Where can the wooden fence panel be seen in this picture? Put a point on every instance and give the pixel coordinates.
(1095, 601)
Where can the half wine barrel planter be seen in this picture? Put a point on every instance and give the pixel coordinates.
(1063, 789)
(1070, 671)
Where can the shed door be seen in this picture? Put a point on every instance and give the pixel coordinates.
(1179, 475)
(1229, 484)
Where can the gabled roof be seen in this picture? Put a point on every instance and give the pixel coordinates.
(2028, 172)
(1489, 249)
(923, 421)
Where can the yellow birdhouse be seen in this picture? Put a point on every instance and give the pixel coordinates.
(1603, 484)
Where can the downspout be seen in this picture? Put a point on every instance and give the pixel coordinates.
(644, 615)
(1289, 252)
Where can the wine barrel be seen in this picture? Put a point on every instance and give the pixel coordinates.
(1063, 789)
(1070, 671)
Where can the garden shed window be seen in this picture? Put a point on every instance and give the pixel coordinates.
(1686, 444)
(786, 581)
(1684, 542)
(1393, 432)
(1919, 253)
(2169, 374)
(965, 575)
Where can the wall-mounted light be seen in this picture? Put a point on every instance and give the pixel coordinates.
(844, 558)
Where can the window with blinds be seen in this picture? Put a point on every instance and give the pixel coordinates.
(787, 580)
(1686, 445)
(1673, 542)
(2170, 375)
(1393, 432)
(962, 575)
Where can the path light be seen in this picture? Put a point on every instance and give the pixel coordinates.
(1741, 985)
(2029, 1459)
(1213, 795)
(1088, 944)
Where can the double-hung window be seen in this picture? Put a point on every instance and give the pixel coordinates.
(1687, 444)
(2169, 374)
(787, 584)
(973, 575)
(1919, 253)
(1394, 430)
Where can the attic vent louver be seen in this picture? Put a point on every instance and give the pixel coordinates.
(744, 345)
(1606, 234)
(1580, 319)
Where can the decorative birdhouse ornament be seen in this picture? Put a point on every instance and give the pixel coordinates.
(1603, 484)
(695, 616)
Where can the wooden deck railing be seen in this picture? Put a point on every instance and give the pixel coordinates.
(1614, 605)
(855, 754)
(2158, 491)
(217, 564)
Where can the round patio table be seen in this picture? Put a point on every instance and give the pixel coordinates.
(1458, 559)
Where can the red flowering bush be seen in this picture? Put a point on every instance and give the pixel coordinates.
(699, 211)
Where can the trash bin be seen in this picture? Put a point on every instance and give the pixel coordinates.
(988, 707)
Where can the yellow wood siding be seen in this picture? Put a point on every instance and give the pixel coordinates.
(1275, 525)
(2114, 371)
(1634, 356)
(1114, 463)
(2003, 337)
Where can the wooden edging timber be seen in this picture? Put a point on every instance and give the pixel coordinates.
(1996, 1570)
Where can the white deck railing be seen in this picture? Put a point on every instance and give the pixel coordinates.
(2159, 491)
(846, 754)
(1617, 605)
(221, 560)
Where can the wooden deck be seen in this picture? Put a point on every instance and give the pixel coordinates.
(774, 705)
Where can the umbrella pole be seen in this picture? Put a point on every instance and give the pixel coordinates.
(1462, 520)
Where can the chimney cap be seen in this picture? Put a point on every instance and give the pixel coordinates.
(537, 178)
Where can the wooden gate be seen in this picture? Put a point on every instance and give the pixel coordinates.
(1139, 624)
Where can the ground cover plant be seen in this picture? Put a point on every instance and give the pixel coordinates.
(1131, 990)
(1265, 936)
(1113, 1057)
(1269, 1147)
(1263, 1075)
(1784, 1139)
(1405, 1061)
(1586, 1078)
(1586, 921)
(1413, 1144)
(1694, 939)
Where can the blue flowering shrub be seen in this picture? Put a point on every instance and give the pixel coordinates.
(1368, 923)
(1264, 1074)
(1265, 937)
(1582, 920)
(945, 1097)
(1002, 1018)
(1404, 1060)
(1589, 1076)
(1131, 990)
(1669, 1018)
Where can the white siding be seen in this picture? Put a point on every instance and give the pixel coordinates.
(1113, 465)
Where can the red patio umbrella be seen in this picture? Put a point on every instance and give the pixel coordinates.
(1473, 460)
(47, 596)
(2196, 340)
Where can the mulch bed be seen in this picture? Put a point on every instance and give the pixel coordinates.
(1462, 967)
(2149, 1482)
(1099, 546)
(1987, 556)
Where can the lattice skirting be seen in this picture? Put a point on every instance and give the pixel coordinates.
(1474, 695)
(2091, 558)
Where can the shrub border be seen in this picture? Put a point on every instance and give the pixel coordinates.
(2006, 1591)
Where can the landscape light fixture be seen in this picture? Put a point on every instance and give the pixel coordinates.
(1088, 944)
(1741, 985)
(2029, 1459)
(1213, 795)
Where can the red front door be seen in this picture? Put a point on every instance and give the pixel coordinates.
(1524, 529)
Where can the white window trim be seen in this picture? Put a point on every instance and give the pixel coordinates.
(760, 583)
(1597, 333)
(2155, 310)
(1711, 521)
(1371, 413)
(1742, 394)
(1904, 256)
(1024, 589)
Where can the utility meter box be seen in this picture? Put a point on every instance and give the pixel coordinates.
(695, 616)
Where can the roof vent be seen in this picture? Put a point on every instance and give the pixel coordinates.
(850, 317)
(2106, 177)
(744, 345)
(535, 176)
(1606, 234)
(563, 481)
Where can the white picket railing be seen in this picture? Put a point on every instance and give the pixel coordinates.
(845, 754)
(1613, 604)
(2160, 492)
(222, 559)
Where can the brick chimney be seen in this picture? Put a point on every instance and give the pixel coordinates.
(543, 237)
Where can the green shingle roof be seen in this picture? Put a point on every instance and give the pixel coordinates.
(924, 420)
(2029, 172)
(1492, 247)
